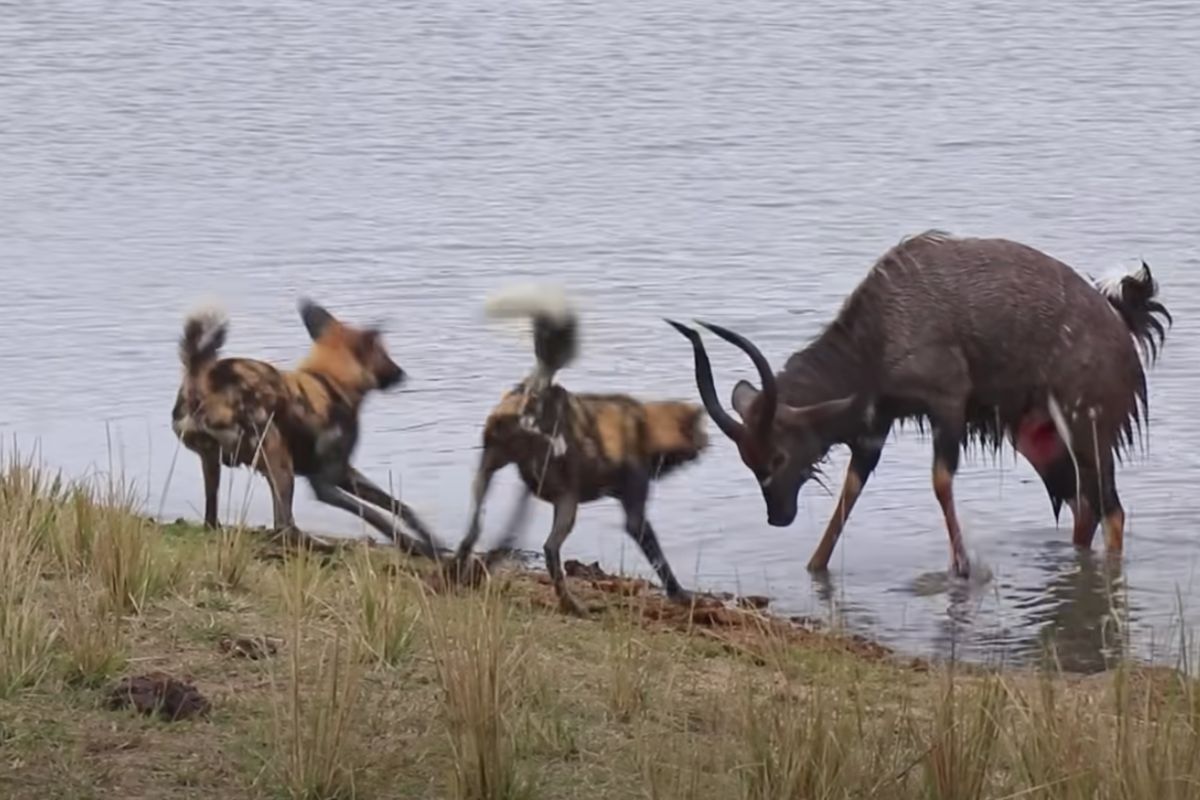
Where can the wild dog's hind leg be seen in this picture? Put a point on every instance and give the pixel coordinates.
(633, 498)
(565, 509)
(275, 462)
(210, 463)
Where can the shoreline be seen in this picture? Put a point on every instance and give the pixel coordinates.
(145, 658)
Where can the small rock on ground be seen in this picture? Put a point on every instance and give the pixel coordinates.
(251, 647)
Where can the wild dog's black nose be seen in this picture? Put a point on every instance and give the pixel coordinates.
(393, 376)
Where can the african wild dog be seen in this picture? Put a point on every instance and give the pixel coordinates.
(984, 339)
(575, 448)
(244, 412)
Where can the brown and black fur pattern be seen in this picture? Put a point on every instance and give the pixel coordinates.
(284, 423)
(983, 340)
(577, 448)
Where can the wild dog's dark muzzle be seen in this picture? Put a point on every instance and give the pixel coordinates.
(391, 377)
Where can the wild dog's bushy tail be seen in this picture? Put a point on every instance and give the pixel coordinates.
(1135, 297)
(203, 337)
(555, 322)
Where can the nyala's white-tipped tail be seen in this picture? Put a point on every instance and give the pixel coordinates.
(530, 300)
(1134, 296)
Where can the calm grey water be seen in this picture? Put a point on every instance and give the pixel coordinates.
(743, 163)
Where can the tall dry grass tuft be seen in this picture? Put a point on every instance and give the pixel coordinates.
(386, 612)
(127, 553)
(27, 515)
(91, 641)
(231, 556)
(302, 582)
(1154, 741)
(795, 745)
(963, 743)
(631, 666)
(479, 662)
(314, 755)
(677, 756)
(27, 633)
(1051, 744)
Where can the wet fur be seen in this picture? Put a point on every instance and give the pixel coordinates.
(286, 423)
(577, 448)
(995, 328)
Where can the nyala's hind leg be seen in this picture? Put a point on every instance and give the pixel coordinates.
(1112, 514)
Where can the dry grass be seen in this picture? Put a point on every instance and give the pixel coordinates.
(317, 702)
(479, 660)
(232, 556)
(385, 615)
(91, 639)
(28, 509)
(380, 689)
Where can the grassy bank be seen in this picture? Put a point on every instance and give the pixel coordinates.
(369, 684)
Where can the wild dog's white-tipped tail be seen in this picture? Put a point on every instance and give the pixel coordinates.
(203, 337)
(530, 300)
(555, 334)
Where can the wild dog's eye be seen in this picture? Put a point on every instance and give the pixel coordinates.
(366, 344)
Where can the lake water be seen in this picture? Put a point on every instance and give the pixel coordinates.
(738, 162)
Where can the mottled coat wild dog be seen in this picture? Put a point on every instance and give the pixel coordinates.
(575, 448)
(244, 412)
(984, 340)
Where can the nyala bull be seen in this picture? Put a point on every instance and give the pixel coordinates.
(984, 340)
(576, 448)
(284, 423)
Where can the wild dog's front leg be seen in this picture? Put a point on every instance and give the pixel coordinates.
(210, 463)
(328, 492)
(489, 463)
(564, 520)
(633, 499)
(361, 487)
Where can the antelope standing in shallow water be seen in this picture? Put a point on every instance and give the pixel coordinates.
(983, 340)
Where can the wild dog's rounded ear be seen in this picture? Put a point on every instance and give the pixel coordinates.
(315, 318)
(744, 395)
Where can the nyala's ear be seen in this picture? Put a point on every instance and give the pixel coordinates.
(816, 414)
(743, 397)
(316, 319)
